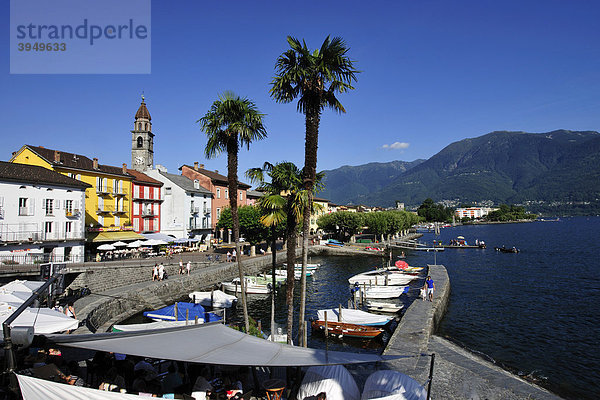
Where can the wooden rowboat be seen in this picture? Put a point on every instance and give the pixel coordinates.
(350, 330)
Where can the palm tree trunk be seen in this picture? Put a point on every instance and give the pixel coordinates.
(232, 166)
(291, 261)
(313, 115)
(274, 265)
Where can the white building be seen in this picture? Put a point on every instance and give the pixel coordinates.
(185, 211)
(42, 215)
(473, 212)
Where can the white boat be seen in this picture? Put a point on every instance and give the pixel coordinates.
(151, 325)
(297, 274)
(350, 316)
(252, 287)
(216, 299)
(384, 292)
(381, 277)
(381, 306)
(308, 266)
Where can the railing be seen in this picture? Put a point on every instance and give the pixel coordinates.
(72, 213)
(7, 235)
(140, 196)
(120, 210)
(103, 190)
(104, 209)
(119, 192)
(1, 213)
(6, 261)
(197, 226)
(207, 211)
(194, 210)
(24, 211)
(148, 213)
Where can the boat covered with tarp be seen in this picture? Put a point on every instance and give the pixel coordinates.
(350, 316)
(182, 311)
(335, 380)
(392, 385)
(214, 299)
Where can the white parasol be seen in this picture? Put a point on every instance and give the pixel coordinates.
(119, 244)
(106, 247)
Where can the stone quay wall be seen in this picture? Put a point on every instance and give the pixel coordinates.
(119, 292)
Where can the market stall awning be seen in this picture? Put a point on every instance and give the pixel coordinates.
(114, 236)
(158, 236)
(211, 343)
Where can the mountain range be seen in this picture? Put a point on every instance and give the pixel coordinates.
(560, 167)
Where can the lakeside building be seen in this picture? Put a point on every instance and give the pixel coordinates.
(473, 212)
(42, 215)
(217, 184)
(146, 199)
(321, 207)
(186, 206)
(107, 201)
(252, 197)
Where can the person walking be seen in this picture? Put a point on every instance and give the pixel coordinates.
(155, 273)
(189, 267)
(233, 255)
(228, 258)
(180, 266)
(161, 272)
(430, 287)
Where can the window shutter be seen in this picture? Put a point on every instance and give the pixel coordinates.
(98, 187)
(43, 204)
(57, 204)
(115, 185)
(31, 208)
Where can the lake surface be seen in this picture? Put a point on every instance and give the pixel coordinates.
(536, 312)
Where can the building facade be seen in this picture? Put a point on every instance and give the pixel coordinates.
(107, 201)
(473, 212)
(146, 199)
(42, 215)
(218, 185)
(186, 206)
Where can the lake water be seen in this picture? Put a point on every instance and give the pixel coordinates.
(536, 312)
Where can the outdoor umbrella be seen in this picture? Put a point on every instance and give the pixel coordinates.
(119, 244)
(106, 247)
(460, 237)
(135, 244)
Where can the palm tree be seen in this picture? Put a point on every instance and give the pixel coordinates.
(232, 122)
(314, 78)
(284, 201)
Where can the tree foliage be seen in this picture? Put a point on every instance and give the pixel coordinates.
(343, 224)
(251, 227)
(433, 212)
(509, 213)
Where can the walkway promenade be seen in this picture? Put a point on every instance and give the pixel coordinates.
(458, 374)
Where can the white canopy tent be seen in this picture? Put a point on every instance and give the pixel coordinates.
(44, 320)
(13, 297)
(22, 286)
(211, 343)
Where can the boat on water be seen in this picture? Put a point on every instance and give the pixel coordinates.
(150, 325)
(334, 243)
(297, 274)
(357, 317)
(342, 329)
(267, 278)
(383, 292)
(504, 249)
(214, 299)
(311, 266)
(382, 306)
(461, 243)
(182, 311)
(381, 277)
(252, 286)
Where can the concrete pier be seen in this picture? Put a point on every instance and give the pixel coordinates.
(458, 374)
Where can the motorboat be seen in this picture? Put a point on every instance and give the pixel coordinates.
(388, 384)
(150, 325)
(383, 292)
(182, 311)
(381, 277)
(214, 299)
(507, 250)
(334, 243)
(297, 274)
(342, 329)
(252, 287)
(309, 266)
(381, 306)
(351, 316)
(267, 278)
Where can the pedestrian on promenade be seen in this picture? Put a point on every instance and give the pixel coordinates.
(228, 258)
(189, 267)
(161, 272)
(155, 273)
(233, 255)
(430, 287)
(180, 266)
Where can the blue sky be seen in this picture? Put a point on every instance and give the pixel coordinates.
(433, 72)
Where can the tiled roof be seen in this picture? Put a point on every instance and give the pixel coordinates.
(216, 177)
(254, 193)
(25, 173)
(185, 183)
(142, 112)
(76, 161)
(141, 177)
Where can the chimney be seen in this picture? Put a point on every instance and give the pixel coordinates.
(14, 152)
(95, 163)
(202, 166)
(216, 171)
(56, 156)
(124, 168)
(196, 165)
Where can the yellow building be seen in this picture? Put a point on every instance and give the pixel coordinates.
(321, 208)
(107, 202)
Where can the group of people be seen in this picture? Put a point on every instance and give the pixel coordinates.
(231, 256)
(427, 290)
(188, 267)
(158, 272)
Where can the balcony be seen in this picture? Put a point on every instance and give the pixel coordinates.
(25, 212)
(199, 225)
(104, 209)
(72, 213)
(207, 212)
(102, 191)
(13, 233)
(194, 210)
(119, 192)
(1, 213)
(148, 213)
(120, 210)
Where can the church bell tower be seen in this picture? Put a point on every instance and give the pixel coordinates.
(142, 140)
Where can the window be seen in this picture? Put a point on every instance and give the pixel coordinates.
(68, 229)
(136, 225)
(226, 193)
(218, 193)
(100, 220)
(136, 209)
(241, 195)
(146, 192)
(140, 142)
(48, 205)
(47, 227)
(167, 190)
(157, 193)
(23, 206)
(218, 213)
(69, 206)
(117, 221)
(196, 184)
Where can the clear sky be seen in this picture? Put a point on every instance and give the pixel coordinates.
(433, 72)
